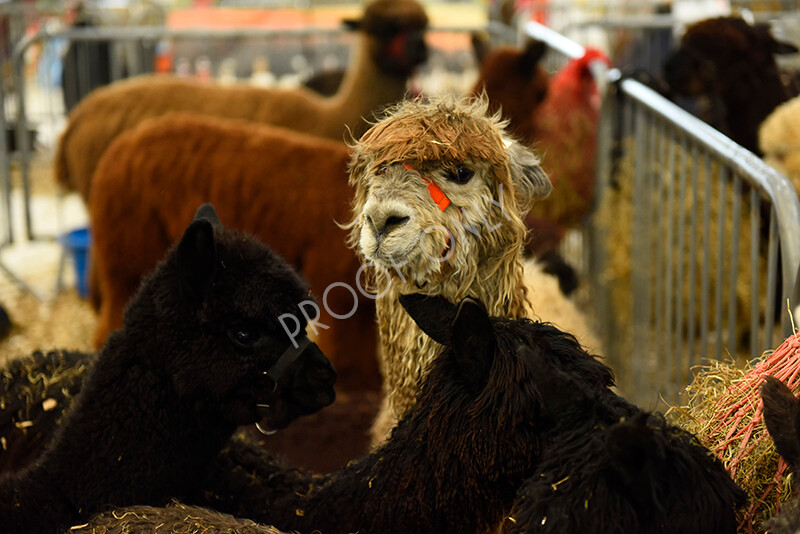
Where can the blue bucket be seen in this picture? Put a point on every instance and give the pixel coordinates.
(77, 243)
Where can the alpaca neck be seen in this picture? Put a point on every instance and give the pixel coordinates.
(415, 468)
(406, 351)
(365, 86)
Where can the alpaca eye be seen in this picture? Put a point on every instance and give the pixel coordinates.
(460, 175)
(244, 336)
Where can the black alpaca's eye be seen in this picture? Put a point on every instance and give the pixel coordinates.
(460, 175)
(244, 336)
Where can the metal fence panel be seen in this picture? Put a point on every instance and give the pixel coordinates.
(693, 250)
(710, 222)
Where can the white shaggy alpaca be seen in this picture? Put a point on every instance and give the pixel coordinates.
(440, 196)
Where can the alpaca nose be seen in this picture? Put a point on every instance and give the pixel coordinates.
(387, 224)
(384, 222)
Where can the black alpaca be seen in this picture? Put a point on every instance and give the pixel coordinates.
(782, 417)
(167, 391)
(728, 67)
(452, 466)
(610, 468)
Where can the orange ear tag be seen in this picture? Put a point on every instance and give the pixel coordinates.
(437, 195)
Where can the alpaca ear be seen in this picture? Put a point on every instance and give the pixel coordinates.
(197, 260)
(480, 45)
(434, 315)
(207, 212)
(783, 47)
(352, 25)
(473, 343)
(782, 417)
(530, 180)
(529, 60)
(775, 46)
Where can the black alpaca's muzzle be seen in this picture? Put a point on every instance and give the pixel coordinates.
(308, 387)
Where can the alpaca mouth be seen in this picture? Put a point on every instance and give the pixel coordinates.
(262, 425)
(391, 257)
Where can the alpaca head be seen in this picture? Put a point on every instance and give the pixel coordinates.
(440, 191)
(715, 51)
(213, 312)
(396, 30)
(487, 378)
(515, 82)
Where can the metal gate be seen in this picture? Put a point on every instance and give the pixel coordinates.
(694, 247)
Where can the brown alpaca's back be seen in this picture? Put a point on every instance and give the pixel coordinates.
(287, 188)
(110, 111)
(390, 46)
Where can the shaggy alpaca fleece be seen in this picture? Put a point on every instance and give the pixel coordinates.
(377, 77)
(472, 248)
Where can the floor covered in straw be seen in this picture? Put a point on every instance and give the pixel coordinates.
(45, 313)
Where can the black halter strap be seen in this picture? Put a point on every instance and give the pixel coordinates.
(285, 360)
(274, 373)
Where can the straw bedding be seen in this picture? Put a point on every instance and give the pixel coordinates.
(181, 519)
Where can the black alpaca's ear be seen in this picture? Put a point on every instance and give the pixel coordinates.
(434, 315)
(473, 343)
(530, 57)
(782, 417)
(197, 260)
(207, 212)
(772, 44)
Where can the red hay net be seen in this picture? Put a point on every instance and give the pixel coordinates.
(725, 412)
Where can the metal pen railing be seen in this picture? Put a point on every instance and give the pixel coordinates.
(693, 248)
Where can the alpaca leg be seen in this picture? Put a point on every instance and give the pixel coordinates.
(95, 295)
(112, 310)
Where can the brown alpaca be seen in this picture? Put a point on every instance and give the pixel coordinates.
(558, 117)
(472, 247)
(515, 82)
(287, 188)
(391, 46)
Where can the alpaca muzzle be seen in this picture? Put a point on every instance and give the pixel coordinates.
(276, 371)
